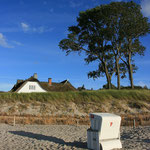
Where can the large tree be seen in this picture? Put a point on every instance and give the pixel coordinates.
(112, 20)
(92, 37)
(133, 25)
(108, 34)
(127, 25)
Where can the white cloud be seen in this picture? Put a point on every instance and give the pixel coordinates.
(3, 42)
(74, 4)
(40, 29)
(51, 10)
(45, 2)
(143, 62)
(17, 43)
(25, 27)
(142, 83)
(145, 4)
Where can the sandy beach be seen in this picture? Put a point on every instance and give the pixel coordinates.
(64, 137)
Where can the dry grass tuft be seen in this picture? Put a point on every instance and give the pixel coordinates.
(127, 120)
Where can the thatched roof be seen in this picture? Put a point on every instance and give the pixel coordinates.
(62, 86)
(21, 83)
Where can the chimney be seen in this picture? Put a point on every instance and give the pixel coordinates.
(35, 76)
(49, 81)
(19, 81)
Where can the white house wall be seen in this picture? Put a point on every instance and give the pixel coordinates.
(26, 88)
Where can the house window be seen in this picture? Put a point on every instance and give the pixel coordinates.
(31, 87)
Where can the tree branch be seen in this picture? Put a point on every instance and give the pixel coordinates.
(124, 61)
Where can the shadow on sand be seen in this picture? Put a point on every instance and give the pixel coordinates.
(146, 140)
(56, 140)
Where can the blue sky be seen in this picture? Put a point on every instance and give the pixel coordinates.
(30, 31)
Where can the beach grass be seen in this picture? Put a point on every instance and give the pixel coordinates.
(78, 96)
(77, 104)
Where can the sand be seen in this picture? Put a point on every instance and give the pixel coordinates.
(64, 137)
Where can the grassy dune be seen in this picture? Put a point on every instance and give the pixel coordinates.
(123, 101)
(74, 107)
(78, 97)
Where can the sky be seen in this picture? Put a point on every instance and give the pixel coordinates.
(30, 31)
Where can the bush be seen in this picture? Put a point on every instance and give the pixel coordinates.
(135, 87)
(112, 86)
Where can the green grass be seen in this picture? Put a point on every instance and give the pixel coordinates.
(78, 97)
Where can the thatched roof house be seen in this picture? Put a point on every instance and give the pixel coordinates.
(32, 84)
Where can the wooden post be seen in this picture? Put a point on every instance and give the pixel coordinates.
(77, 122)
(134, 123)
(14, 121)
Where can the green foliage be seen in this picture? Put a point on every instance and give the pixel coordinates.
(106, 86)
(108, 33)
(81, 88)
(135, 87)
(91, 36)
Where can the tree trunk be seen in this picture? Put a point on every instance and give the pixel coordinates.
(130, 71)
(109, 83)
(118, 74)
(107, 77)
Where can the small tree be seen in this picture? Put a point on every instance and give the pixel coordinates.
(133, 26)
(81, 88)
(126, 24)
(112, 20)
